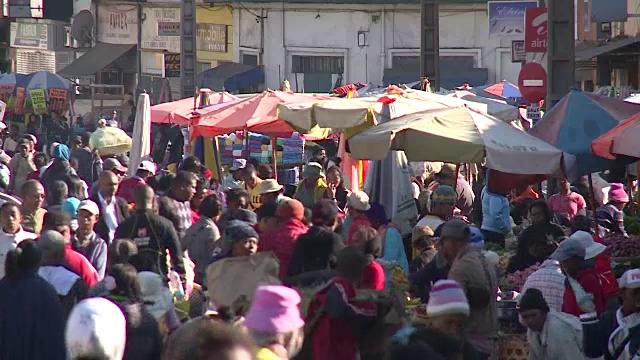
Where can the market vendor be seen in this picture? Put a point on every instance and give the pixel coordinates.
(583, 292)
(551, 335)
(443, 200)
(610, 216)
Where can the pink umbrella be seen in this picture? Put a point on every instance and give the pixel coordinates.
(181, 112)
(257, 114)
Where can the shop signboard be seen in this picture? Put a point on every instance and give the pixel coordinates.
(118, 24)
(506, 18)
(29, 36)
(6, 92)
(211, 37)
(161, 29)
(535, 30)
(518, 55)
(58, 101)
(172, 65)
(38, 101)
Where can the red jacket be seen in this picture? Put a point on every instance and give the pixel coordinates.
(373, 277)
(127, 188)
(357, 222)
(334, 336)
(590, 282)
(81, 266)
(281, 242)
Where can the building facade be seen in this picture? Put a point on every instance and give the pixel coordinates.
(315, 46)
(214, 36)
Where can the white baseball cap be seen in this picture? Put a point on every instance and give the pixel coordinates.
(630, 279)
(238, 164)
(147, 165)
(90, 206)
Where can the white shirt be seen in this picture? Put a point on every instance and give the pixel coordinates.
(560, 339)
(230, 183)
(550, 280)
(9, 242)
(110, 215)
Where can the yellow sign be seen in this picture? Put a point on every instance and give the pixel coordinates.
(38, 101)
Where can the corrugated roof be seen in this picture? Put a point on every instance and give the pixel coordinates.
(588, 54)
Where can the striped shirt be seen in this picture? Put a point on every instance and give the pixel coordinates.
(550, 280)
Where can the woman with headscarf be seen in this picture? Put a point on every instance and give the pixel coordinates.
(313, 186)
(60, 169)
(392, 245)
(610, 215)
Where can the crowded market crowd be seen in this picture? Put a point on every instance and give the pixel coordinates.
(94, 264)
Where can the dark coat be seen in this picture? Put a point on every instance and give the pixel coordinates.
(31, 320)
(122, 213)
(144, 341)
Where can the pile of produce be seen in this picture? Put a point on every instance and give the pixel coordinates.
(516, 280)
(621, 247)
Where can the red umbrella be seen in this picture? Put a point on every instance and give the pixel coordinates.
(181, 112)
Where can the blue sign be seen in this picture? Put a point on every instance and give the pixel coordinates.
(506, 18)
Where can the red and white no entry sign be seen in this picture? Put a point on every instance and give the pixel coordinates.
(532, 82)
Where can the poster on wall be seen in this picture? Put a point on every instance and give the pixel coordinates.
(518, 55)
(38, 101)
(58, 101)
(506, 18)
(6, 92)
(172, 65)
(161, 29)
(118, 24)
(211, 37)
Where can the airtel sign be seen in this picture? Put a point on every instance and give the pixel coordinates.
(535, 30)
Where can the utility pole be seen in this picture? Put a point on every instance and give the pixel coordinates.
(188, 49)
(561, 61)
(430, 42)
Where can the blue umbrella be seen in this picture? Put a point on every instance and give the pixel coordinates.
(19, 80)
(578, 119)
(46, 80)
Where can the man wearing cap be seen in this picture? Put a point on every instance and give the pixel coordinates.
(21, 165)
(234, 179)
(86, 241)
(271, 191)
(127, 188)
(357, 206)
(583, 292)
(551, 335)
(470, 269)
(113, 165)
(313, 186)
(619, 335)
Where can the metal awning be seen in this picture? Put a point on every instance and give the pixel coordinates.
(588, 54)
(95, 59)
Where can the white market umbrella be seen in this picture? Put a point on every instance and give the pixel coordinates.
(460, 135)
(141, 147)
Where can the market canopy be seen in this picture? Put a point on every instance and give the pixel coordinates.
(181, 112)
(257, 114)
(497, 108)
(460, 135)
(576, 121)
(95, 59)
(360, 112)
(621, 140)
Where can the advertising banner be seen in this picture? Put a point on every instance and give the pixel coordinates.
(118, 24)
(535, 30)
(172, 65)
(506, 18)
(38, 101)
(211, 37)
(18, 104)
(58, 101)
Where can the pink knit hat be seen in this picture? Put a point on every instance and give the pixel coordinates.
(275, 310)
(617, 193)
(446, 298)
